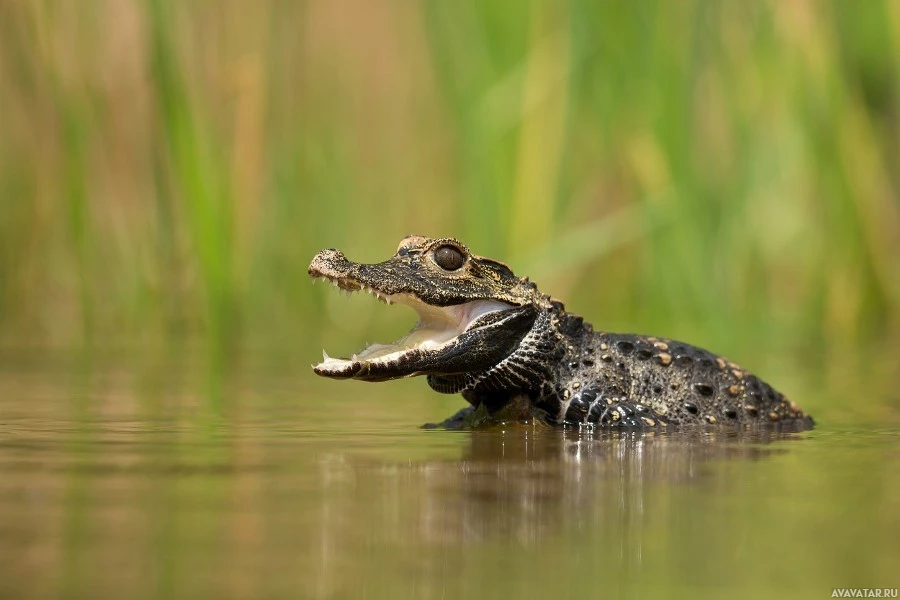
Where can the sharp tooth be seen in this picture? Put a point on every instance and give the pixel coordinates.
(325, 356)
(354, 358)
(334, 283)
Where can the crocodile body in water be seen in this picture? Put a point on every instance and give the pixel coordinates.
(495, 338)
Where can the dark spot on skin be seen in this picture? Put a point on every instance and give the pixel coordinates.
(589, 395)
(683, 360)
(704, 389)
(657, 389)
(621, 365)
(606, 358)
(751, 410)
(597, 411)
(625, 347)
(625, 410)
(691, 408)
(573, 365)
(731, 413)
(577, 410)
(587, 362)
(643, 354)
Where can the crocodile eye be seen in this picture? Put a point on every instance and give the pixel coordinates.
(449, 258)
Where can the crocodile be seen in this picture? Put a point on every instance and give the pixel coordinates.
(511, 350)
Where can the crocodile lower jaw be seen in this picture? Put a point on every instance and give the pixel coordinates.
(437, 327)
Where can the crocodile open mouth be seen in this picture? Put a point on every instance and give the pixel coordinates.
(437, 327)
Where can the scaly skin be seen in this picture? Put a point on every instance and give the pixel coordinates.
(532, 359)
(622, 380)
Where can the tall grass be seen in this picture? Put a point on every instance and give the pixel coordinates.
(720, 171)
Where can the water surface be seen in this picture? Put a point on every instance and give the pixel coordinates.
(119, 481)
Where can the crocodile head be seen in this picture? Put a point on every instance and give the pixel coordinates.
(473, 312)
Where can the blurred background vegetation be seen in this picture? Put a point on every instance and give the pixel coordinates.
(721, 172)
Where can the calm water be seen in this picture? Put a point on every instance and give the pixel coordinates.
(122, 482)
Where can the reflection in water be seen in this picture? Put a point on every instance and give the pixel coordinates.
(527, 482)
(287, 495)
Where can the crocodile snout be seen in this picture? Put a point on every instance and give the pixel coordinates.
(329, 263)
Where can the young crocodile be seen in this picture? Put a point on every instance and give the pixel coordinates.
(494, 337)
